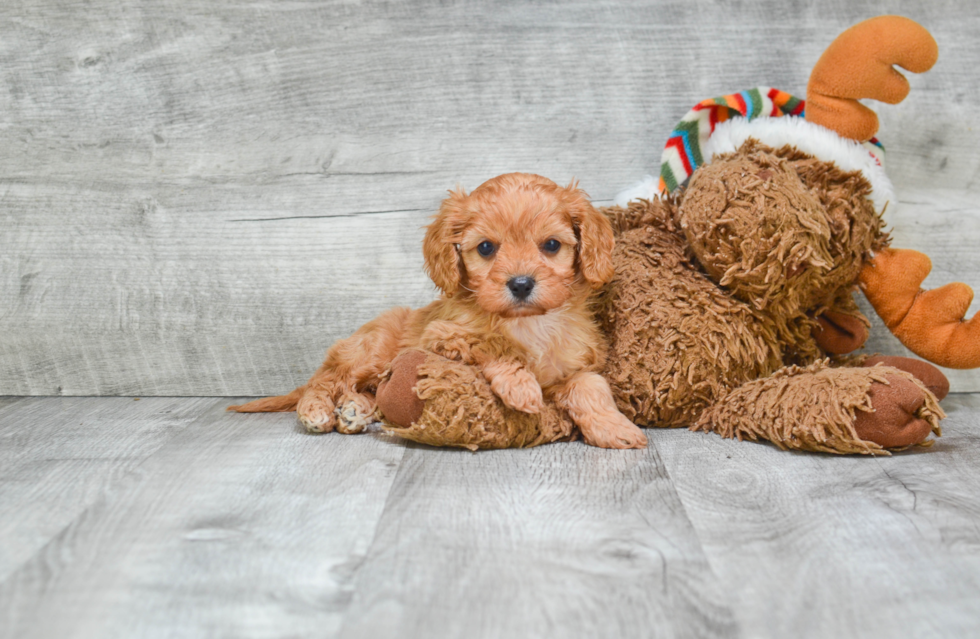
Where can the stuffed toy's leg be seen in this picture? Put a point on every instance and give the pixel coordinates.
(864, 410)
(861, 409)
(441, 402)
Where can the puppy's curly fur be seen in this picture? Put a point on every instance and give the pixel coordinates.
(517, 261)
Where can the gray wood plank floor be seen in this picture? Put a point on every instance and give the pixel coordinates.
(168, 517)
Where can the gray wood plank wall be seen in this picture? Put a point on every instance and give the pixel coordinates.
(197, 198)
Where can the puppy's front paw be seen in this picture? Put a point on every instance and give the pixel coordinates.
(316, 411)
(454, 348)
(520, 391)
(613, 431)
(354, 412)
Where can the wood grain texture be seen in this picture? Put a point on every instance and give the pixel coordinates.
(171, 518)
(198, 198)
(7, 401)
(811, 545)
(558, 541)
(59, 456)
(241, 526)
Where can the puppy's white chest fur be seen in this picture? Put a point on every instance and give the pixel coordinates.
(557, 343)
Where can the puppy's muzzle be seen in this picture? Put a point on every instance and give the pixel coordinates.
(521, 287)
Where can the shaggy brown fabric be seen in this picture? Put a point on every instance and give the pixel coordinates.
(461, 410)
(856, 229)
(791, 238)
(757, 230)
(659, 212)
(678, 342)
(815, 408)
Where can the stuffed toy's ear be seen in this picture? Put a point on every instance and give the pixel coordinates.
(858, 64)
(929, 323)
(595, 235)
(439, 248)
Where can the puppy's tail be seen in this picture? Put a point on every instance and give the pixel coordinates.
(278, 404)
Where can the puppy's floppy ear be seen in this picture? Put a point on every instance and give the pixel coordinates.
(442, 260)
(595, 237)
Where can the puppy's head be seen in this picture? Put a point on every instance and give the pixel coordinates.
(520, 244)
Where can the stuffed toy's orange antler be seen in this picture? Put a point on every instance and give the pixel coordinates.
(858, 64)
(929, 323)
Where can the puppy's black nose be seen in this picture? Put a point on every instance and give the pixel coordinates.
(521, 286)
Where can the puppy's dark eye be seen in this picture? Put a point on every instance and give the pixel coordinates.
(486, 248)
(551, 246)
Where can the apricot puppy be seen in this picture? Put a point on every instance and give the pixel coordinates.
(516, 261)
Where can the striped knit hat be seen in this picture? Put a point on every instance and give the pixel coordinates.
(722, 124)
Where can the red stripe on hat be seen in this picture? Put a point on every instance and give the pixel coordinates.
(776, 102)
(740, 101)
(678, 144)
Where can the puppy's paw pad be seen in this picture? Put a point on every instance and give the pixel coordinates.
(614, 432)
(520, 392)
(316, 412)
(354, 414)
(318, 423)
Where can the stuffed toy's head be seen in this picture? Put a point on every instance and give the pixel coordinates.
(779, 229)
(837, 129)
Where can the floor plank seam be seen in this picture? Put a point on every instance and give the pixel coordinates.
(690, 520)
(405, 446)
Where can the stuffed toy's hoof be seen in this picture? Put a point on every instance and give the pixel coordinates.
(432, 400)
(930, 376)
(895, 422)
(397, 400)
